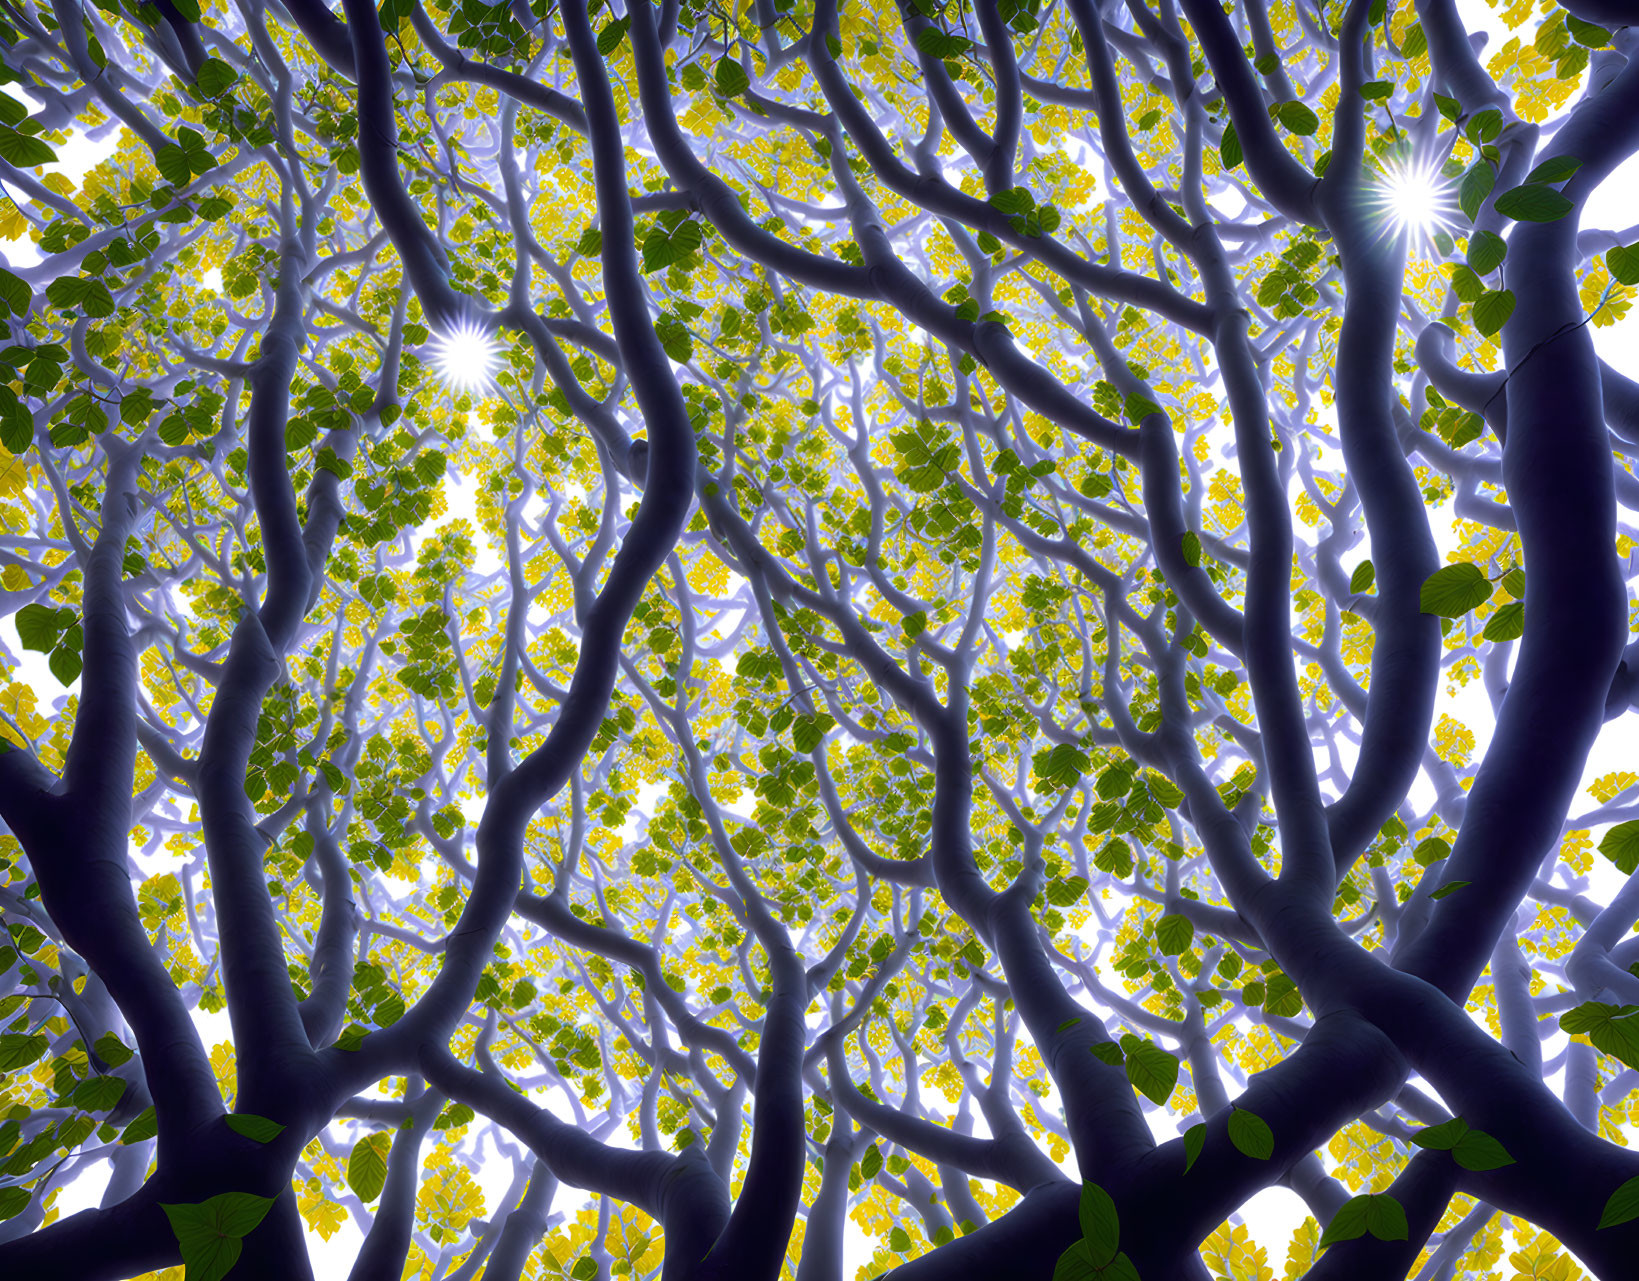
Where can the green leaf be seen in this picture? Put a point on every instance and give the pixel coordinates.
(13, 1201)
(1114, 857)
(1060, 765)
(1448, 107)
(1229, 150)
(1555, 170)
(1108, 1052)
(941, 44)
(731, 79)
(66, 291)
(429, 464)
(16, 423)
(1140, 407)
(1173, 934)
(330, 461)
(1477, 1150)
(1623, 263)
(662, 249)
(200, 159)
(1442, 1137)
(1533, 203)
(18, 1050)
(1613, 1029)
(808, 732)
(1066, 891)
(1492, 309)
(39, 626)
(1486, 250)
(111, 1050)
(1472, 1149)
(1466, 283)
(590, 243)
(1586, 33)
(1621, 846)
(173, 165)
(1622, 1206)
(1450, 887)
(1014, 201)
(1431, 851)
(176, 429)
(899, 1240)
(1507, 624)
(65, 664)
(1484, 126)
(1194, 1141)
(610, 37)
(1381, 1215)
(97, 1093)
(1281, 996)
(254, 1127)
(1416, 42)
(214, 76)
(871, 1162)
(1375, 90)
(1298, 118)
(1166, 793)
(1192, 548)
(1386, 1218)
(210, 1233)
(1365, 574)
(16, 295)
(1152, 1071)
(585, 1269)
(1100, 1224)
(24, 151)
(367, 1166)
(1453, 591)
(145, 1126)
(98, 302)
(90, 295)
(1476, 186)
(674, 336)
(1119, 1268)
(1076, 1264)
(1251, 1134)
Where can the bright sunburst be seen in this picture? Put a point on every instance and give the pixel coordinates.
(1414, 199)
(465, 355)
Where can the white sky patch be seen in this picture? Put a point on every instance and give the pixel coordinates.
(75, 158)
(1229, 202)
(461, 493)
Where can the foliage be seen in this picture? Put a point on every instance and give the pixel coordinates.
(843, 597)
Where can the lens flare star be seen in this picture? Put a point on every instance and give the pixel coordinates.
(465, 356)
(1414, 199)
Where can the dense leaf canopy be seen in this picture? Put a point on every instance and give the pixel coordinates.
(808, 640)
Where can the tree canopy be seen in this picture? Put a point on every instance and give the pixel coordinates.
(800, 640)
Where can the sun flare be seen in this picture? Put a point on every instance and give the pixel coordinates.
(465, 355)
(1414, 199)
